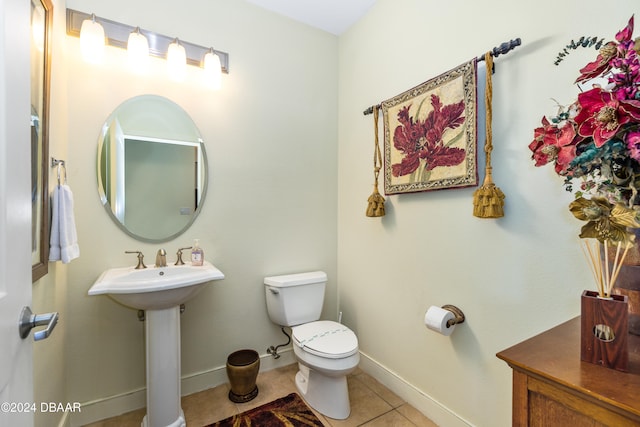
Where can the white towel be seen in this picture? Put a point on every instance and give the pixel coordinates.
(63, 239)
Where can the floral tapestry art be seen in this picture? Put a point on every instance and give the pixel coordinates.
(430, 134)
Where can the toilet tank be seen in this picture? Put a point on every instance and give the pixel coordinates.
(294, 299)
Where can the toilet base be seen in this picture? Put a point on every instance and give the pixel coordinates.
(327, 395)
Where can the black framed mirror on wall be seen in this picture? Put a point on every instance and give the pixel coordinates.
(41, 21)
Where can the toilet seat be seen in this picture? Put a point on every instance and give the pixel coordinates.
(325, 338)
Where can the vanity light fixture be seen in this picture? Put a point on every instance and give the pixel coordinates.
(117, 34)
(138, 50)
(212, 69)
(92, 40)
(176, 60)
(38, 27)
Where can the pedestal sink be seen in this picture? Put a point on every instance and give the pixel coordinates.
(159, 291)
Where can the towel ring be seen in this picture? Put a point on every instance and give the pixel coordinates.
(61, 166)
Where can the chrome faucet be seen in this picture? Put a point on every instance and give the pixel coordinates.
(161, 258)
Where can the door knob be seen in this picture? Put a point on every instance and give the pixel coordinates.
(28, 321)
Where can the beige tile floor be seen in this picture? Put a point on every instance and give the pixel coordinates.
(372, 404)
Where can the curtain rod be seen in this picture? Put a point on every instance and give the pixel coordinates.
(495, 52)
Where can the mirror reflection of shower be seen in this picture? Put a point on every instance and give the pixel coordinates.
(151, 168)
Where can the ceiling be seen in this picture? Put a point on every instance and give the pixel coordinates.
(333, 16)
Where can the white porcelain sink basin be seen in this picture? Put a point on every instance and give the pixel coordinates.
(155, 288)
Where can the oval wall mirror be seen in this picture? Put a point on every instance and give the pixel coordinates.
(152, 168)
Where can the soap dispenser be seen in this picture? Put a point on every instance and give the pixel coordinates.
(197, 254)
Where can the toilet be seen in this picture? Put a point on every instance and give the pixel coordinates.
(326, 351)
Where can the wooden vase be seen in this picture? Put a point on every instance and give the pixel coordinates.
(628, 284)
(628, 281)
(604, 330)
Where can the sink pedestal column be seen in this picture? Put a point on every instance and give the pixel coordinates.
(162, 329)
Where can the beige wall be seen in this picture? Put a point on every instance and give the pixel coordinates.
(512, 277)
(290, 155)
(271, 141)
(270, 137)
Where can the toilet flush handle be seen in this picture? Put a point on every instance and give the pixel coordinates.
(274, 291)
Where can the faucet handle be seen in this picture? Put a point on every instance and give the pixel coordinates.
(179, 261)
(140, 259)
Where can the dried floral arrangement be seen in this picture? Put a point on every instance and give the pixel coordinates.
(594, 144)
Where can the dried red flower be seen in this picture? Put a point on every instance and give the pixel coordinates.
(421, 140)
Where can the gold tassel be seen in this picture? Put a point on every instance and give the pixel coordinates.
(488, 200)
(376, 204)
(375, 208)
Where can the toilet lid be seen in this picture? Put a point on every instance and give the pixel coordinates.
(325, 338)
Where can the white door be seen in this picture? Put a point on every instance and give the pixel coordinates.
(16, 370)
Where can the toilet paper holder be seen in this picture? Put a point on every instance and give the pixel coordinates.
(459, 315)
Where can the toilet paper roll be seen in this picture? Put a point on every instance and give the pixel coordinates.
(436, 319)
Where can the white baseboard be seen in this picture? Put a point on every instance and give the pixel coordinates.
(431, 408)
(112, 406)
(200, 381)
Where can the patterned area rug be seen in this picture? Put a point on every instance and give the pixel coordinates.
(290, 411)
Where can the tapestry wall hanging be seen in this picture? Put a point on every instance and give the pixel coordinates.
(430, 134)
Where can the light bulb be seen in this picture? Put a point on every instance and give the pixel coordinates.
(212, 69)
(38, 28)
(176, 60)
(92, 40)
(138, 51)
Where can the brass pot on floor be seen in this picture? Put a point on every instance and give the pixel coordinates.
(242, 370)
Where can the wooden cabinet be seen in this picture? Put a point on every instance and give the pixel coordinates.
(553, 387)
